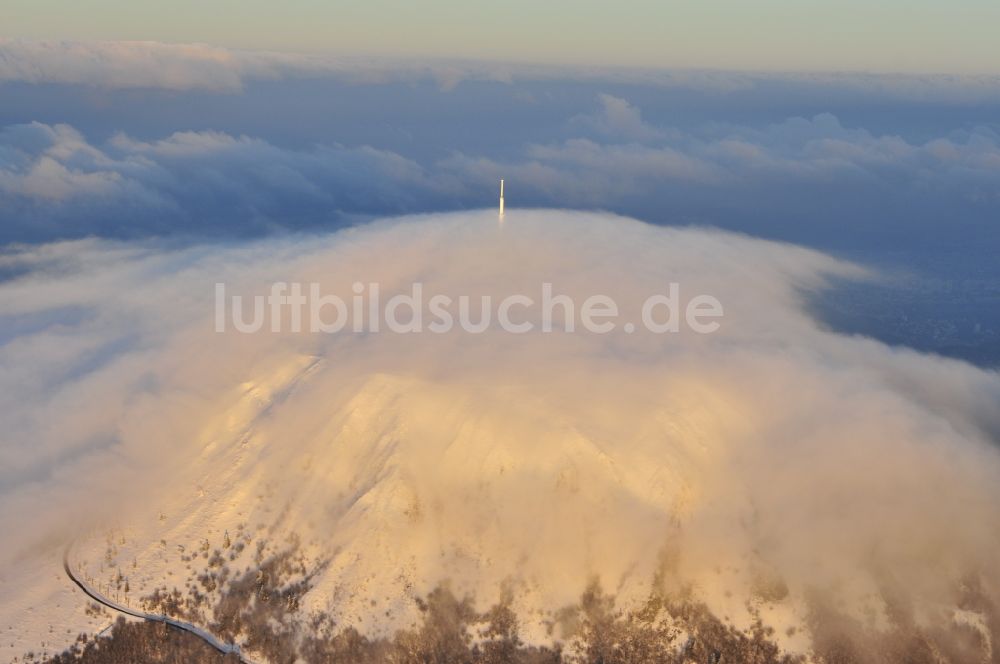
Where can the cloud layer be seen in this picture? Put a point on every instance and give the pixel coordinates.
(772, 447)
(195, 66)
(55, 183)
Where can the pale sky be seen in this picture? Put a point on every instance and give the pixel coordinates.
(859, 35)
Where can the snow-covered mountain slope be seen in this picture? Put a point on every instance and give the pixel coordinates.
(771, 450)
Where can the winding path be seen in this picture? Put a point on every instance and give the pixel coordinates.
(204, 635)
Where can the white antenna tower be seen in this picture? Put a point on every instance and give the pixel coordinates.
(501, 199)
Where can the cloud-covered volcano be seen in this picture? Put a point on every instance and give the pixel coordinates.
(772, 451)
